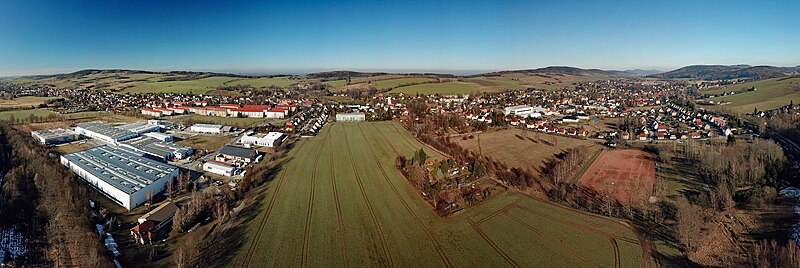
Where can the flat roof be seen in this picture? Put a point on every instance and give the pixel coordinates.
(54, 133)
(137, 127)
(238, 151)
(123, 170)
(207, 126)
(155, 147)
(102, 129)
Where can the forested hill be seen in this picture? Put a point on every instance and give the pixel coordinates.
(721, 72)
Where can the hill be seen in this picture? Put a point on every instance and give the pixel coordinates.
(721, 72)
(563, 70)
(762, 95)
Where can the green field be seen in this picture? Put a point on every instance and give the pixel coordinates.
(262, 82)
(439, 88)
(230, 121)
(25, 101)
(769, 94)
(498, 83)
(392, 83)
(25, 114)
(205, 142)
(339, 201)
(197, 86)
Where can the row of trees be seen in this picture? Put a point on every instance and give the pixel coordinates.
(48, 204)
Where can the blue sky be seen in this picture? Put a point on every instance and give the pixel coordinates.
(38, 37)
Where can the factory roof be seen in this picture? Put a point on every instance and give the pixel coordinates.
(102, 129)
(125, 171)
(53, 133)
(207, 126)
(237, 151)
(139, 127)
(155, 147)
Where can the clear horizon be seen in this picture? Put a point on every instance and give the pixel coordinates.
(38, 37)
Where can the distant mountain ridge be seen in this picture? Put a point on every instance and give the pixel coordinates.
(566, 70)
(721, 72)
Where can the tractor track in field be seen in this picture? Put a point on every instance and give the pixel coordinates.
(492, 244)
(249, 257)
(552, 240)
(428, 232)
(342, 231)
(381, 234)
(607, 236)
(310, 212)
(411, 145)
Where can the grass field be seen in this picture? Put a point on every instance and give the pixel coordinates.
(769, 94)
(25, 101)
(392, 83)
(510, 147)
(339, 201)
(439, 88)
(262, 82)
(197, 86)
(498, 83)
(42, 112)
(205, 142)
(229, 121)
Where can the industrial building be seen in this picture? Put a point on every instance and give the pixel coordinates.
(159, 136)
(220, 168)
(126, 178)
(159, 150)
(54, 136)
(237, 155)
(519, 110)
(206, 128)
(139, 127)
(271, 139)
(100, 131)
(350, 117)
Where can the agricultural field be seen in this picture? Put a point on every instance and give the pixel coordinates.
(339, 201)
(261, 82)
(43, 112)
(205, 142)
(769, 94)
(523, 148)
(627, 175)
(197, 86)
(498, 83)
(26, 101)
(551, 81)
(438, 88)
(392, 83)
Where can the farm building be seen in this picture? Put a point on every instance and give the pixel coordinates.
(124, 177)
(157, 149)
(54, 136)
(220, 168)
(350, 117)
(235, 154)
(206, 128)
(97, 130)
(159, 136)
(155, 224)
(519, 110)
(271, 139)
(139, 127)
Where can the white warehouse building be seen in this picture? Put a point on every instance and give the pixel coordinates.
(100, 131)
(271, 139)
(54, 136)
(220, 168)
(519, 110)
(124, 177)
(206, 128)
(350, 117)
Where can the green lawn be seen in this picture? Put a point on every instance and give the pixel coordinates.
(439, 88)
(340, 202)
(334, 83)
(769, 94)
(392, 83)
(205, 142)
